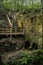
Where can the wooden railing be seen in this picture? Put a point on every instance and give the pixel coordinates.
(11, 31)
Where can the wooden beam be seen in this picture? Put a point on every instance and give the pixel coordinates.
(9, 20)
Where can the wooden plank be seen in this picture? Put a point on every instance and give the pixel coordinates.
(12, 33)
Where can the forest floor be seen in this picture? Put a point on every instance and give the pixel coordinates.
(16, 54)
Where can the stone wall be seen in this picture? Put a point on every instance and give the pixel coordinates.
(33, 30)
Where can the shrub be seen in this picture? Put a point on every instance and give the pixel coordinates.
(35, 58)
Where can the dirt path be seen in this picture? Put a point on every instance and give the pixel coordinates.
(11, 54)
(16, 54)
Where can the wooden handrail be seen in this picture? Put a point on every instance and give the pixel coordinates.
(8, 30)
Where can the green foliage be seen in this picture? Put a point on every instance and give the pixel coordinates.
(27, 59)
(15, 5)
(7, 6)
(23, 59)
(37, 5)
(4, 63)
(12, 61)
